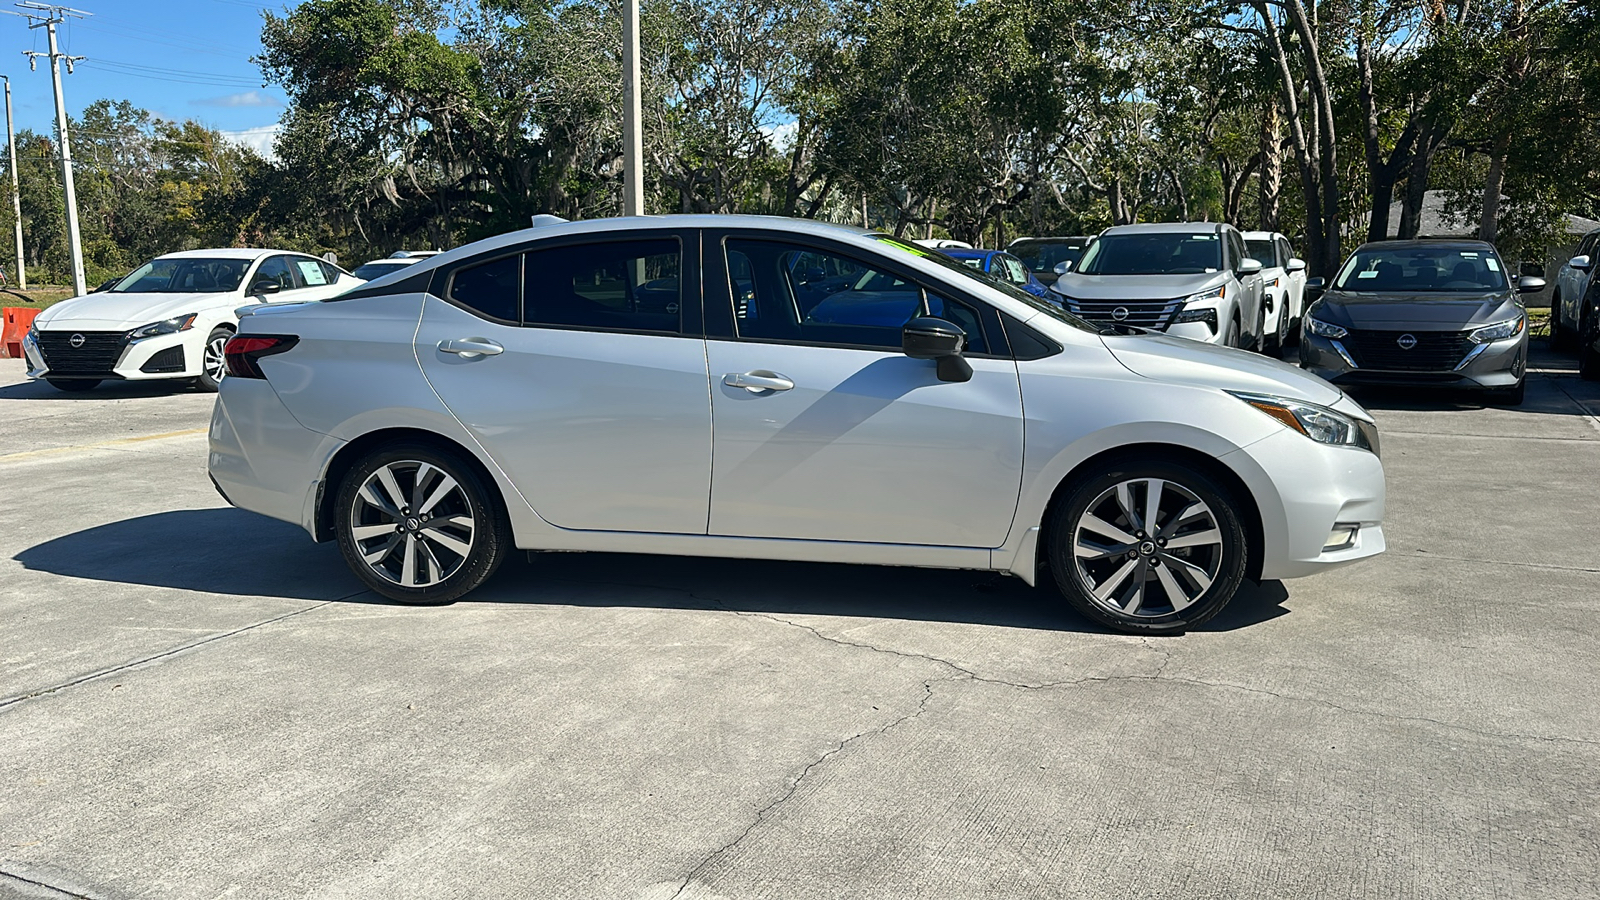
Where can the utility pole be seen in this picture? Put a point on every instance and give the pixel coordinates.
(40, 15)
(632, 139)
(16, 196)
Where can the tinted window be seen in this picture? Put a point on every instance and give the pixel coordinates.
(1159, 253)
(1263, 252)
(962, 315)
(489, 288)
(378, 269)
(627, 285)
(275, 269)
(1236, 252)
(1410, 269)
(1044, 256)
(785, 292)
(332, 272)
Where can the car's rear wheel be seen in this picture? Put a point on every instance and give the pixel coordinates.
(73, 385)
(418, 525)
(214, 359)
(1588, 359)
(1558, 335)
(1153, 547)
(1280, 334)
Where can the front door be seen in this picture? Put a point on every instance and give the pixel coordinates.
(826, 431)
(579, 372)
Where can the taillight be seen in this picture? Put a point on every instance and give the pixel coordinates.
(244, 352)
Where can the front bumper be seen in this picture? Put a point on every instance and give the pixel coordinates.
(105, 357)
(1303, 490)
(1498, 364)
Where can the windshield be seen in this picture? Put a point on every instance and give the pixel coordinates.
(1044, 256)
(377, 269)
(1010, 290)
(1261, 251)
(1422, 269)
(183, 276)
(1158, 253)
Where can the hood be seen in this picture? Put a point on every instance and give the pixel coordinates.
(119, 312)
(1135, 287)
(1401, 311)
(1165, 358)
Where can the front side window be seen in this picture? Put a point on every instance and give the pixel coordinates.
(621, 285)
(1015, 272)
(1422, 269)
(489, 288)
(1154, 253)
(1053, 310)
(1262, 251)
(183, 276)
(801, 294)
(274, 270)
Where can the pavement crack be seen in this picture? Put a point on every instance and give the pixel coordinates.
(1423, 554)
(794, 786)
(32, 887)
(171, 651)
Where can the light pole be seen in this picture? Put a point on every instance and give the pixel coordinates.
(16, 196)
(632, 139)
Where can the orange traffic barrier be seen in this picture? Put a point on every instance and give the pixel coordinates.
(18, 319)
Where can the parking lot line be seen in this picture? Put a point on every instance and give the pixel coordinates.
(102, 445)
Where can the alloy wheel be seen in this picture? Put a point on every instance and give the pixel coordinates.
(215, 359)
(1147, 547)
(412, 523)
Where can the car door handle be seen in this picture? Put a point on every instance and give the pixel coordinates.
(471, 348)
(758, 380)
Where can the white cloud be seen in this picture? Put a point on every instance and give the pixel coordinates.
(260, 139)
(247, 98)
(782, 136)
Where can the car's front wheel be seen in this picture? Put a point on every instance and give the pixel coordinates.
(1152, 547)
(417, 524)
(214, 359)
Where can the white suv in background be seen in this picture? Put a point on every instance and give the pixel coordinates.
(1283, 287)
(1566, 302)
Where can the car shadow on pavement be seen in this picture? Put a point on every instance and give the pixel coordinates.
(107, 390)
(213, 551)
(227, 551)
(794, 588)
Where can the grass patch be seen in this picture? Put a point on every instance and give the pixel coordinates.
(1539, 324)
(36, 297)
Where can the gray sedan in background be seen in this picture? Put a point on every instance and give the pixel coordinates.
(1440, 313)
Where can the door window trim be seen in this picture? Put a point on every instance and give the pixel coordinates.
(720, 322)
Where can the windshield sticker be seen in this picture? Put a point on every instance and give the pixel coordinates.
(1210, 271)
(1203, 237)
(1469, 254)
(1366, 274)
(1494, 265)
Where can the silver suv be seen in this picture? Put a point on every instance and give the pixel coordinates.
(1193, 280)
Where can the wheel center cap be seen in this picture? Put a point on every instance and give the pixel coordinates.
(413, 523)
(1147, 548)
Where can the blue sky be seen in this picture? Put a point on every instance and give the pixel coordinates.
(180, 59)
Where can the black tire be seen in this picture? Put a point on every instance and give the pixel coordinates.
(1231, 337)
(1559, 338)
(1512, 396)
(1221, 562)
(487, 542)
(74, 385)
(1280, 336)
(1588, 359)
(210, 376)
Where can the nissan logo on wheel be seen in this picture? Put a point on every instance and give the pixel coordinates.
(76, 341)
(1407, 341)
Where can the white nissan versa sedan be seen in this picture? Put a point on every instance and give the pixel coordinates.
(170, 317)
(756, 387)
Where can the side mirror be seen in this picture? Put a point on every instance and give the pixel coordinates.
(1529, 284)
(1063, 267)
(1316, 285)
(927, 337)
(1581, 263)
(1248, 266)
(261, 288)
(1296, 264)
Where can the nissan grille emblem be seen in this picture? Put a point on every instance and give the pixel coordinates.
(76, 341)
(1407, 341)
(1119, 313)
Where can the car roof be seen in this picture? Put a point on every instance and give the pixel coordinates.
(227, 253)
(1167, 228)
(1263, 235)
(1428, 243)
(1065, 239)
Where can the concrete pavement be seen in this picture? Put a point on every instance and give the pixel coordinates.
(198, 702)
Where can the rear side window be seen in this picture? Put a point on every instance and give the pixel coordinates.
(621, 285)
(489, 288)
(312, 274)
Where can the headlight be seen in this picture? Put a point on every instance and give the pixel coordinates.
(1216, 293)
(1324, 329)
(170, 326)
(1319, 423)
(1499, 331)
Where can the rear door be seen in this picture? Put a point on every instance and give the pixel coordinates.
(580, 368)
(825, 430)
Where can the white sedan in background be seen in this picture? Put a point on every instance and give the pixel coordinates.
(1283, 287)
(171, 317)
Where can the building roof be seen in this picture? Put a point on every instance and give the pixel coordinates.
(1437, 221)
